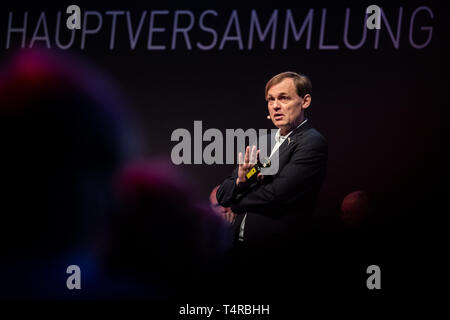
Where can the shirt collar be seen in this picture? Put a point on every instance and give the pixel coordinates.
(279, 138)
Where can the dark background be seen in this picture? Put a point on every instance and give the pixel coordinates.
(383, 111)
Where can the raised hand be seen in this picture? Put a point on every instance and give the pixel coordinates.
(247, 163)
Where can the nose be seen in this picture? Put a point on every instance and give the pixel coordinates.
(276, 105)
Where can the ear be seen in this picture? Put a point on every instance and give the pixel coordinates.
(306, 101)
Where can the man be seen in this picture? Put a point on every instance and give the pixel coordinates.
(274, 212)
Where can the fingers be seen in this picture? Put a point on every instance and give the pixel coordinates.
(247, 151)
(260, 177)
(227, 217)
(253, 155)
(230, 216)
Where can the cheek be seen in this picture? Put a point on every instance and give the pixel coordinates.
(288, 111)
(294, 110)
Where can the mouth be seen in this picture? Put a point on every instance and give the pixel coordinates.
(278, 116)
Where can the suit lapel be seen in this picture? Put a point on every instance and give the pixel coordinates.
(293, 139)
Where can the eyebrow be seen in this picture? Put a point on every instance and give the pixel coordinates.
(281, 93)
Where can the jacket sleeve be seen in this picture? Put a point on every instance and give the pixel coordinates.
(228, 191)
(304, 170)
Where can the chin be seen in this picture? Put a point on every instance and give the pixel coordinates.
(280, 125)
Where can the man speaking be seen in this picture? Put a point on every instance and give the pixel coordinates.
(274, 213)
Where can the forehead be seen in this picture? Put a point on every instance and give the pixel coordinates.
(285, 86)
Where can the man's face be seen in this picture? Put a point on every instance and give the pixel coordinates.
(285, 106)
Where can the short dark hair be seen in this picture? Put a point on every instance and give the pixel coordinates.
(301, 82)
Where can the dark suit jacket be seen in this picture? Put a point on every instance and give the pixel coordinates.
(280, 207)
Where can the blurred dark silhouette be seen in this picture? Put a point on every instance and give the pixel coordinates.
(163, 236)
(355, 209)
(135, 230)
(63, 139)
(356, 244)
